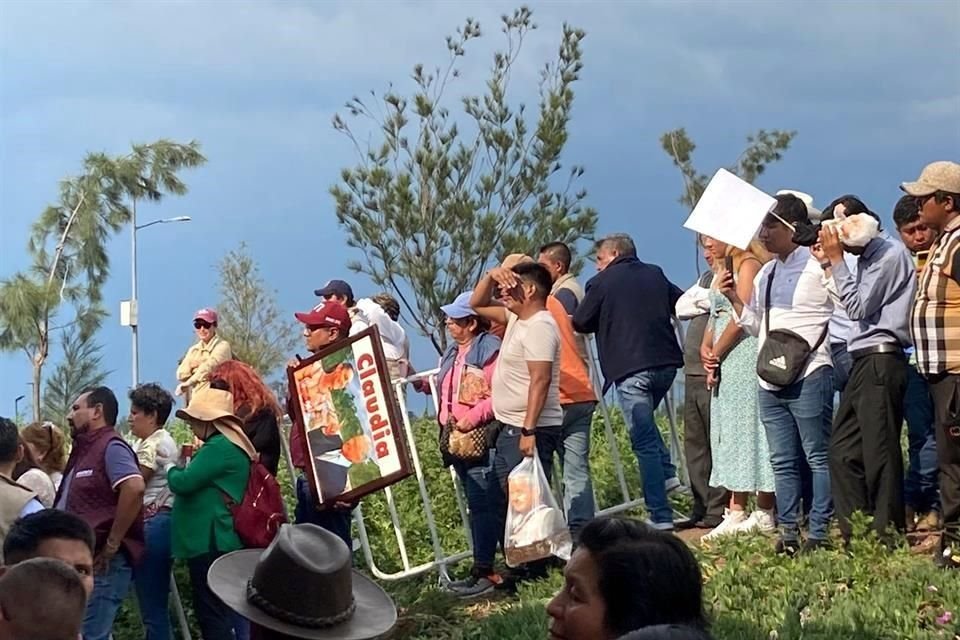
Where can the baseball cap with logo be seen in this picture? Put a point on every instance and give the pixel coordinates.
(335, 288)
(326, 314)
(207, 315)
(936, 176)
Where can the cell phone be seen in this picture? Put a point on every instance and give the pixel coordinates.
(728, 263)
(921, 258)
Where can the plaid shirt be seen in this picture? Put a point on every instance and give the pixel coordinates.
(935, 325)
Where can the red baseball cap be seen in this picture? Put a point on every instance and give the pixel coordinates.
(329, 313)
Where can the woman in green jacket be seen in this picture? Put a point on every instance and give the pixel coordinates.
(202, 527)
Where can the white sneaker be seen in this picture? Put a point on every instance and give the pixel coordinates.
(731, 521)
(760, 520)
(673, 485)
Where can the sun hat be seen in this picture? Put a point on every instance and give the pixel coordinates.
(216, 406)
(303, 586)
(936, 176)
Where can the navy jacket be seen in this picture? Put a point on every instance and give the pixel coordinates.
(629, 306)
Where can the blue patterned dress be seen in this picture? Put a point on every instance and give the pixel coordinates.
(741, 457)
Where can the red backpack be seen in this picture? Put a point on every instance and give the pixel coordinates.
(258, 516)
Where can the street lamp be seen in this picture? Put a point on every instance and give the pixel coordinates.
(128, 309)
(16, 407)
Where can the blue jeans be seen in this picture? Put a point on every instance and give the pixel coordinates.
(920, 489)
(640, 395)
(109, 590)
(152, 577)
(842, 365)
(797, 420)
(335, 521)
(486, 511)
(573, 449)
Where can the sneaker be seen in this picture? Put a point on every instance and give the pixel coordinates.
(731, 520)
(813, 544)
(788, 547)
(476, 586)
(760, 520)
(659, 526)
(674, 486)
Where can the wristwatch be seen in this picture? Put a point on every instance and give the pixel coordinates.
(527, 432)
(825, 265)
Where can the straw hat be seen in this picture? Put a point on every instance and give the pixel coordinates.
(216, 406)
(303, 586)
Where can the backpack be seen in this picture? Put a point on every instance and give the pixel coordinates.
(258, 516)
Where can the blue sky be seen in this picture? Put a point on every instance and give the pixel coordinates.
(869, 86)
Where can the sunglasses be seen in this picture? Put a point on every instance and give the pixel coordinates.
(200, 324)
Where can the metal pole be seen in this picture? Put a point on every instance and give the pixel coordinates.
(16, 408)
(133, 295)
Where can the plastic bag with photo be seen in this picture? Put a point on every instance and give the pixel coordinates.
(535, 524)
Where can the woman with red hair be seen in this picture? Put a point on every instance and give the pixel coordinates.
(256, 405)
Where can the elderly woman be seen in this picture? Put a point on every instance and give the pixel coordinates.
(150, 406)
(466, 371)
(202, 526)
(48, 448)
(625, 576)
(256, 405)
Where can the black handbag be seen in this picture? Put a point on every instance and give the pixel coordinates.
(784, 353)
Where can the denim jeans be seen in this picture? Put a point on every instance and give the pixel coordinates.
(797, 420)
(573, 449)
(507, 453)
(335, 521)
(842, 365)
(151, 579)
(487, 515)
(109, 591)
(920, 488)
(640, 394)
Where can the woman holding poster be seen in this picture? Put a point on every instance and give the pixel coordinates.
(741, 457)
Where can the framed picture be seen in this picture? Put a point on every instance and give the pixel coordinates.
(343, 400)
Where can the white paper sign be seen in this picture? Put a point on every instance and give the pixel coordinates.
(730, 210)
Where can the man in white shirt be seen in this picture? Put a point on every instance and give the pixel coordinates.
(797, 418)
(365, 313)
(526, 383)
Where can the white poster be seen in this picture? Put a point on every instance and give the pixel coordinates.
(730, 210)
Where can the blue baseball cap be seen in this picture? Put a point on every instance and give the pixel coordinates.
(460, 307)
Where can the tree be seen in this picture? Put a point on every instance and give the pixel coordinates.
(69, 261)
(763, 148)
(250, 319)
(81, 368)
(433, 203)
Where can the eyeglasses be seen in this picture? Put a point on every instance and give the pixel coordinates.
(317, 327)
(922, 200)
(200, 324)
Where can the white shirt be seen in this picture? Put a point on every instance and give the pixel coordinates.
(798, 301)
(694, 302)
(155, 452)
(392, 335)
(536, 339)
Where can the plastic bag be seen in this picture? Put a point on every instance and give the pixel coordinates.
(535, 525)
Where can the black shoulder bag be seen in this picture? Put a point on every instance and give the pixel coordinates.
(784, 353)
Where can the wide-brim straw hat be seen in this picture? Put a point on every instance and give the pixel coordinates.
(216, 406)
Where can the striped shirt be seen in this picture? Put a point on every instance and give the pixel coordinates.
(935, 324)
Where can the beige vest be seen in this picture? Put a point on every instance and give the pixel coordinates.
(13, 497)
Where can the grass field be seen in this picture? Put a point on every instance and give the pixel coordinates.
(750, 593)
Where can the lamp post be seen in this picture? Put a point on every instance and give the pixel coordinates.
(16, 407)
(128, 312)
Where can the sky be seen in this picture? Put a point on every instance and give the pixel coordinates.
(872, 88)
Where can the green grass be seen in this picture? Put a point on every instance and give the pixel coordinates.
(749, 592)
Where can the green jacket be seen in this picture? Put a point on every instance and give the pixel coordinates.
(202, 523)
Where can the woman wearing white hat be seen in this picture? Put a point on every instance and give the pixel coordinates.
(202, 527)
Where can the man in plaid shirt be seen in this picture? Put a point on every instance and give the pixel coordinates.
(935, 326)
